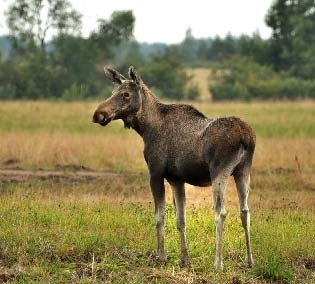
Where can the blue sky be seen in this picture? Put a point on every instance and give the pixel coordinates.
(167, 20)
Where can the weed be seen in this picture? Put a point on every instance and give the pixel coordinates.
(274, 268)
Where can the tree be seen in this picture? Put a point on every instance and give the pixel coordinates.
(255, 47)
(166, 75)
(68, 66)
(188, 48)
(222, 47)
(75, 61)
(128, 53)
(293, 38)
(30, 21)
(113, 31)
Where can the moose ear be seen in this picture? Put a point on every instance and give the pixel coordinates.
(114, 76)
(134, 76)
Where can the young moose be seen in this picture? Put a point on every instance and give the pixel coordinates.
(182, 146)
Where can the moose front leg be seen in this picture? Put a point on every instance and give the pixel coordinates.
(158, 192)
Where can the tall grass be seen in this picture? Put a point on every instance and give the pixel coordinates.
(270, 120)
(111, 152)
(45, 134)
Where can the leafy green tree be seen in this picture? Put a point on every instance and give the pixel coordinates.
(68, 66)
(203, 48)
(166, 75)
(30, 21)
(74, 60)
(188, 48)
(7, 76)
(255, 47)
(113, 31)
(29, 73)
(24, 79)
(222, 47)
(128, 53)
(293, 40)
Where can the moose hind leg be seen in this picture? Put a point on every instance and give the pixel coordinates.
(219, 185)
(180, 204)
(242, 184)
(158, 192)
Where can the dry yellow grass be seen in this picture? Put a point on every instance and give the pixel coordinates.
(275, 166)
(111, 152)
(124, 151)
(282, 153)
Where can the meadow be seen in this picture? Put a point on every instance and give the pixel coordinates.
(95, 224)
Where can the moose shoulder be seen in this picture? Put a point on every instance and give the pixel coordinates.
(181, 145)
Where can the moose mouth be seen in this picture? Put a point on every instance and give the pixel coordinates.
(105, 121)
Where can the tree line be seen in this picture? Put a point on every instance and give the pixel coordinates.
(69, 66)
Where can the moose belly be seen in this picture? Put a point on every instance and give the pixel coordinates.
(190, 172)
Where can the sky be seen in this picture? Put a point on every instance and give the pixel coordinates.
(167, 21)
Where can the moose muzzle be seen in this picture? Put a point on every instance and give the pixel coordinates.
(101, 117)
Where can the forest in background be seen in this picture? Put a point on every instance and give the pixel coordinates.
(69, 66)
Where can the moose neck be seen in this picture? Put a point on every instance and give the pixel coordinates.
(148, 117)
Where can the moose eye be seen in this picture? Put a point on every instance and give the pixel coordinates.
(126, 95)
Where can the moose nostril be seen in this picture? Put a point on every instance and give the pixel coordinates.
(97, 117)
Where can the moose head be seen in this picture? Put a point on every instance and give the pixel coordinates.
(125, 100)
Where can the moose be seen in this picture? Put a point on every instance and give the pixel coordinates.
(182, 146)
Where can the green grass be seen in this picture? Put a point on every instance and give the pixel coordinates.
(286, 242)
(270, 120)
(275, 268)
(50, 237)
(50, 117)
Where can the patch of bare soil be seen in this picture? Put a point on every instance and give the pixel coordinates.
(310, 264)
(61, 173)
(71, 167)
(8, 274)
(11, 162)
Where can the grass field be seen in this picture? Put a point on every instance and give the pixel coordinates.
(83, 229)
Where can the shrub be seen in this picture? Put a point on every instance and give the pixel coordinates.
(244, 79)
(7, 92)
(192, 93)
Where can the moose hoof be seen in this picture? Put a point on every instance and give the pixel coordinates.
(250, 262)
(185, 263)
(161, 259)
